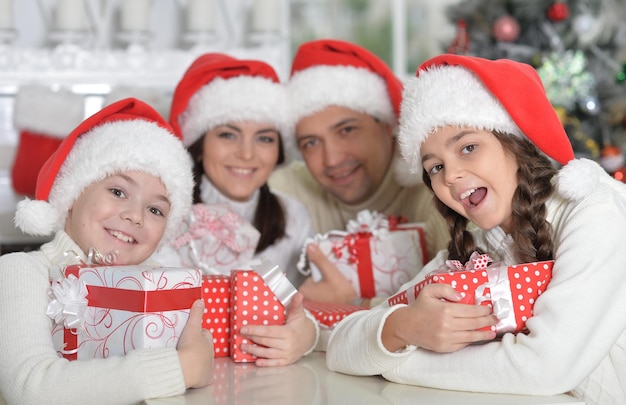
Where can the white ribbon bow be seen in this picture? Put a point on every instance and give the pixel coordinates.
(69, 302)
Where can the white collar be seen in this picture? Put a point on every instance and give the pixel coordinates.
(211, 195)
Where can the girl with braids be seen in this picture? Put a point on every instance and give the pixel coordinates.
(230, 114)
(487, 142)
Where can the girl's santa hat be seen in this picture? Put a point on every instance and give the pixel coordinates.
(127, 135)
(494, 95)
(331, 72)
(218, 88)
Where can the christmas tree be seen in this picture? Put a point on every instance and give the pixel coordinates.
(579, 49)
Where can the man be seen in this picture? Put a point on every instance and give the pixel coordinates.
(345, 107)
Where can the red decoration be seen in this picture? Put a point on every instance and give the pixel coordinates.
(559, 11)
(620, 174)
(460, 44)
(506, 29)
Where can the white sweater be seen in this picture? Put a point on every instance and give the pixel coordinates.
(577, 339)
(31, 372)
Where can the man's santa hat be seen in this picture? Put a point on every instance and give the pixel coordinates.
(127, 135)
(493, 95)
(331, 72)
(217, 89)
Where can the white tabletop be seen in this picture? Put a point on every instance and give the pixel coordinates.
(308, 381)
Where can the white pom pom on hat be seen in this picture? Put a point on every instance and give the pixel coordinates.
(495, 95)
(124, 136)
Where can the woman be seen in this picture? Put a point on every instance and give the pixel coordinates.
(230, 114)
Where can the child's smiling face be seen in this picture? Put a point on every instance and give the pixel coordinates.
(473, 174)
(126, 212)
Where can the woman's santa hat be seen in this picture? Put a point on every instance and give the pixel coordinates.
(217, 89)
(494, 95)
(331, 72)
(127, 135)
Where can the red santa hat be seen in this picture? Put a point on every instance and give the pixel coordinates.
(331, 72)
(218, 88)
(126, 135)
(494, 95)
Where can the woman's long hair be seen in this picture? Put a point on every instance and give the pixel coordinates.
(532, 233)
(269, 217)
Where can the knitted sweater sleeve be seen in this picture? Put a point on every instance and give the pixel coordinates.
(577, 328)
(33, 373)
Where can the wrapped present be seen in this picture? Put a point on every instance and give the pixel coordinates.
(105, 311)
(510, 290)
(216, 239)
(258, 297)
(216, 318)
(377, 254)
(328, 314)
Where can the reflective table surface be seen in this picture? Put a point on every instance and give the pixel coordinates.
(308, 381)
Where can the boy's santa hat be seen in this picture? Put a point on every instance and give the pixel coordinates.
(43, 116)
(127, 135)
(331, 72)
(218, 88)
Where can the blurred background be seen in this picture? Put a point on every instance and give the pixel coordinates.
(61, 60)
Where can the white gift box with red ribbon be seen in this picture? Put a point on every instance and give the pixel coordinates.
(104, 311)
(375, 253)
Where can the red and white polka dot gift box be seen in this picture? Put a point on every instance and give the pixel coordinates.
(510, 290)
(258, 297)
(329, 313)
(216, 318)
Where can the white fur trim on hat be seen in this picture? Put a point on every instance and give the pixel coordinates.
(44, 111)
(447, 95)
(241, 98)
(313, 89)
(107, 149)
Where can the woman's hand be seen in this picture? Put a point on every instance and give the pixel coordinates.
(333, 287)
(286, 343)
(195, 349)
(437, 322)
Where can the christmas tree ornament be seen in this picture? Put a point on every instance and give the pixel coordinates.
(611, 159)
(589, 105)
(566, 79)
(558, 11)
(460, 44)
(506, 28)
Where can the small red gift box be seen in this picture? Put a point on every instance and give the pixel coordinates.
(327, 313)
(104, 311)
(216, 318)
(510, 290)
(258, 297)
(377, 254)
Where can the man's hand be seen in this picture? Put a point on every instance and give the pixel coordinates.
(333, 287)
